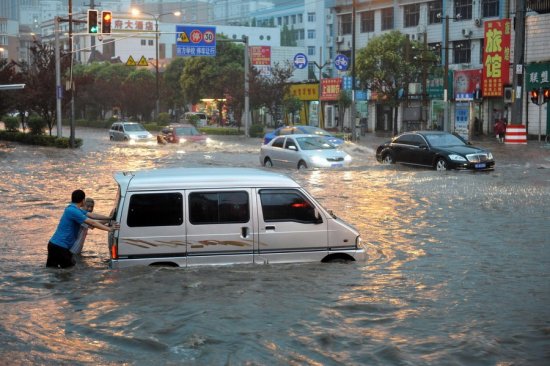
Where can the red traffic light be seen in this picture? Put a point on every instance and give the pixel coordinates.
(545, 95)
(106, 19)
(535, 96)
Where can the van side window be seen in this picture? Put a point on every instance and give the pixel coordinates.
(155, 209)
(218, 208)
(286, 205)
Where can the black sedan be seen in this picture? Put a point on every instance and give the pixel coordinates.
(435, 149)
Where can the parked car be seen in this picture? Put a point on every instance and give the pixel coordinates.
(434, 149)
(180, 133)
(129, 131)
(289, 130)
(202, 120)
(303, 151)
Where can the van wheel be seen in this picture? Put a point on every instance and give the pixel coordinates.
(268, 163)
(338, 258)
(302, 165)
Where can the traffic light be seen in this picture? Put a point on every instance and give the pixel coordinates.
(92, 21)
(535, 96)
(546, 95)
(106, 18)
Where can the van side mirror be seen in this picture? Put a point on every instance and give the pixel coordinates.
(318, 217)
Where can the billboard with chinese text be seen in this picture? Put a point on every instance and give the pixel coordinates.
(330, 89)
(496, 57)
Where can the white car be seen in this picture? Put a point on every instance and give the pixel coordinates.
(303, 151)
(129, 131)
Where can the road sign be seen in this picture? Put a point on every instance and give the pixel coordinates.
(341, 62)
(195, 41)
(300, 61)
(131, 61)
(143, 61)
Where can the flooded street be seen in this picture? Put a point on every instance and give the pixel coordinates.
(458, 268)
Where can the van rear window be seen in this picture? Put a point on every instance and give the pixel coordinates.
(218, 208)
(155, 209)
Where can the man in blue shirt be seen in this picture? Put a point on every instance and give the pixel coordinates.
(59, 254)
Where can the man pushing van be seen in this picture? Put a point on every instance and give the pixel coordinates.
(59, 254)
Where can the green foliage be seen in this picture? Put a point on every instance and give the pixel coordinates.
(163, 119)
(152, 126)
(256, 130)
(11, 123)
(36, 125)
(221, 131)
(42, 140)
(193, 119)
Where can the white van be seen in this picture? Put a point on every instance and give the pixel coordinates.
(211, 216)
(202, 120)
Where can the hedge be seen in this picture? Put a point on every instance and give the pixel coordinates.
(42, 140)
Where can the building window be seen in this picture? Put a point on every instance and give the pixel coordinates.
(367, 21)
(464, 8)
(279, 21)
(300, 18)
(435, 11)
(435, 48)
(345, 24)
(301, 34)
(387, 19)
(411, 15)
(311, 17)
(461, 52)
(155, 209)
(311, 34)
(144, 42)
(311, 50)
(293, 19)
(489, 8)
(151, 42)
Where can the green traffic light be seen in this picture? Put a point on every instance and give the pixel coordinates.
(93, 30)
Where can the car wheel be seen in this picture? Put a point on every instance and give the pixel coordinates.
(441, 164)
(268, 163)
(388, 158)
(302, 165)
(111, 138)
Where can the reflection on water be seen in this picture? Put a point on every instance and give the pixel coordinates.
(457, 271)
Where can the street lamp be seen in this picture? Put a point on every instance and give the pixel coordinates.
(156, 18)
(446, 126)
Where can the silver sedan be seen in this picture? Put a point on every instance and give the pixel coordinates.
(303, 151)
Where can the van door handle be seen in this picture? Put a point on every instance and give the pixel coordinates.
(270, 228)
(244, 232)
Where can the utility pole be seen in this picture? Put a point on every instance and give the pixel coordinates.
(519, 30)
(353, 106)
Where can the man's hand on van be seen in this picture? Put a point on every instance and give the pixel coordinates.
(114, 226)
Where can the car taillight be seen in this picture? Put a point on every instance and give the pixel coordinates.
(114, 249)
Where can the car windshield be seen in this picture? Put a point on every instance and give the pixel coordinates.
(444, 140)
(187, 131)
(314, 131)
(314, 143)
(134, 127)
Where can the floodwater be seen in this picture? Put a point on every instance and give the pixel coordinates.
(458, 269)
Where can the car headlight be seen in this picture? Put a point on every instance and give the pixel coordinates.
(347, 158)
(317, 160)
(457, 157)
(182, 140)
(489, 156)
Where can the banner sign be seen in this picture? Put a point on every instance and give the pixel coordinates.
(260, 55)
(195, 41)
(305, 92)
(538, 75)
(330, 89)
(496, 57)
(465, 83)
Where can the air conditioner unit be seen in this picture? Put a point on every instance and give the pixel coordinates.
(339, 39)
(466, 32)
(478, 22)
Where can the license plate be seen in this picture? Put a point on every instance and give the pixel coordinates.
(337, 165)
(480, 165)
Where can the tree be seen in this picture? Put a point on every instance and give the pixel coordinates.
(292, 105)
(137, 98)
(386, 66)
(274, 88)
(172, 93)
(344, 102)
(8, 75)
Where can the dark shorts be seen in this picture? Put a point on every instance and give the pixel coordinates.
(59, 257)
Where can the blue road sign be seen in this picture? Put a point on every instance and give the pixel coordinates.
(300, 61)
(195, 41)
(341, 62)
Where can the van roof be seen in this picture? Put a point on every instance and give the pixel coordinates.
(208, 177)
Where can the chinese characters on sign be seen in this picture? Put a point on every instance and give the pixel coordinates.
(330, 88)
(496, 57)
(195, 41)
(305, 92)
(260, 57)
(538, 75)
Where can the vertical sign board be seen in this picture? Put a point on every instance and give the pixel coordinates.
(330, 89)
(461, 120)
(260, 58)
(496, 57)
(195, 41)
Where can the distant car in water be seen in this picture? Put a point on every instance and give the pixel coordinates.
(181, 133)
(434, 149)
(302, 129)
(129, 131)
(303, 151)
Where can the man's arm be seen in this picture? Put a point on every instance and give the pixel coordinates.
(100, 226)
(96, 216)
